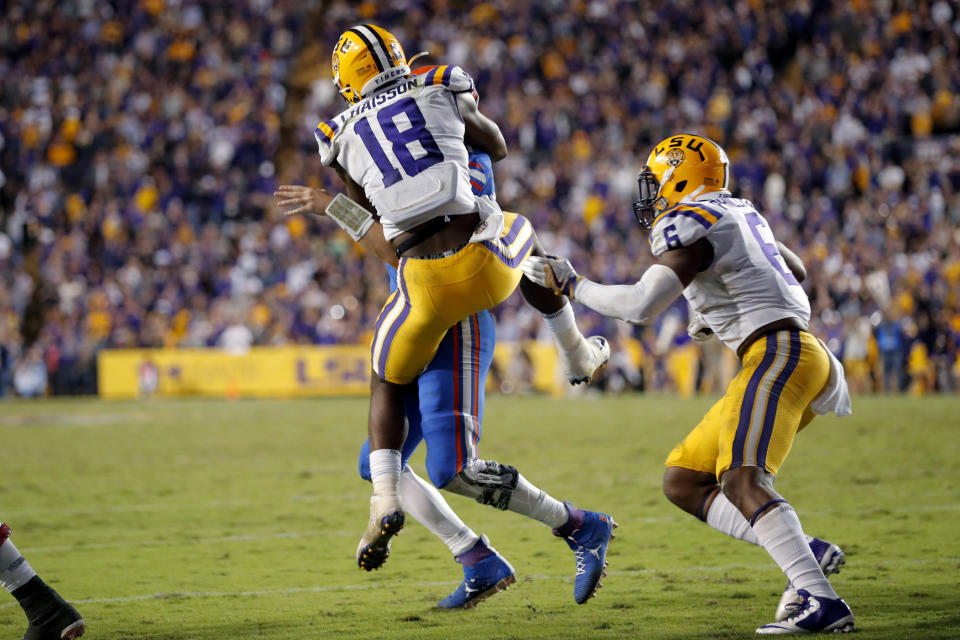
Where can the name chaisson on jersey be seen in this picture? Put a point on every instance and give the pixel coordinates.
(454, 78)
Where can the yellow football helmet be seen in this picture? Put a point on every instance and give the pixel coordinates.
(366, 57)
(682, 168)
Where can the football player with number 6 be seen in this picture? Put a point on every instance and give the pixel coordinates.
(744, 287)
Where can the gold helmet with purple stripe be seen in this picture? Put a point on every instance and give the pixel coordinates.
(366, 57)
(682, 168)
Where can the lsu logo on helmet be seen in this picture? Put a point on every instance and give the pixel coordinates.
(675, 157)
(364, 58)
(681, 168)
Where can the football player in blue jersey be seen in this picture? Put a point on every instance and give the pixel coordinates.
(444, 407)
(49, 617)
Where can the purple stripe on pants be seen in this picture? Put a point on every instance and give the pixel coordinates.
(746, 409)
(771, 414)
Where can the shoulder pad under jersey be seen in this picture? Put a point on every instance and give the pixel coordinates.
(450, 76)
(682, 225)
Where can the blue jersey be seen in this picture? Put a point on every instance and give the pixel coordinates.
(445, 408)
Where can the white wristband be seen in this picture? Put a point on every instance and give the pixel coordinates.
(350, 216)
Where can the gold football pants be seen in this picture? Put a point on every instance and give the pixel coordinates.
(755, 422)
(433, 294)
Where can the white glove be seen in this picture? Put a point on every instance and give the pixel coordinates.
(698, 329)
(551, 272)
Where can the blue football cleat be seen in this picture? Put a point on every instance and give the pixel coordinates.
(589, 542)
(815, 614)
(830, 557)
(487, 574)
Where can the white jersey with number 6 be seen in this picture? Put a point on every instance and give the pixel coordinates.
(748, 285)
(404, 145)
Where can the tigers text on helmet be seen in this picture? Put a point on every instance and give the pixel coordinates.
(682, 168)
(366, 57)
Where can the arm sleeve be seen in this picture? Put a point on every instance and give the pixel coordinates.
(681, 226)
(638, 303)
(481, 174)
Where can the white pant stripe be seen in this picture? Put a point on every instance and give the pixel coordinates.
(466, 396)
(762, 398)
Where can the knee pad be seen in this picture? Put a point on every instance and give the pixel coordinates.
(486, 481)
(4, 532)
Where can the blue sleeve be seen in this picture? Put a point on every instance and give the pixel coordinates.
(481, 174)
(392, 275)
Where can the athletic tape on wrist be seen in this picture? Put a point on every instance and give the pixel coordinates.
(349, 216)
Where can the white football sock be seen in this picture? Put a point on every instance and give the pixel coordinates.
(385, 472)
(530, 501)
(781, 535)
(563, 324)
(423, 502)
(15, 571)
(726, 518)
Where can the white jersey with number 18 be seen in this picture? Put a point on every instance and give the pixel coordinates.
(404, 145)
(748, 285)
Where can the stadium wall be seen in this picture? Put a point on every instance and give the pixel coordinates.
(281, 372)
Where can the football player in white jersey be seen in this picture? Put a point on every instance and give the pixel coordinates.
(744, 287)
(49, 617)
(401, 150)
(445, 410)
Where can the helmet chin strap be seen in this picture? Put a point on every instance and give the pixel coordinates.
(341, 90)
(712, 195)
(343, 93)
(692, 196)
(667, 174)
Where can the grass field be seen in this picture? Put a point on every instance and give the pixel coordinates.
(206, 519)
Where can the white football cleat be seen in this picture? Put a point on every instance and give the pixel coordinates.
(386, 520)
(816, 614)
(589, 357)
(830, 557)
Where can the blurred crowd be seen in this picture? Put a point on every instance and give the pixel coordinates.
(140, 143)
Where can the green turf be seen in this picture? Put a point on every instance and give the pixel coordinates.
(206, 519)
